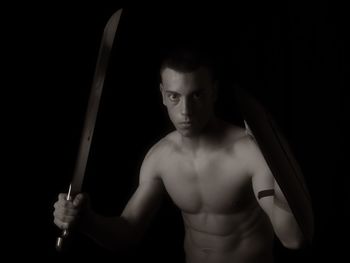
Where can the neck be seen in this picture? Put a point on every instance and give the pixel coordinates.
(203, 139)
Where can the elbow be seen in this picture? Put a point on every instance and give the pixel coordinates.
(134, 234)
(135, 239)
(290, 235)
(132, 238)
(293, 240)
(127, 237)
(128, 242)
(294, 244)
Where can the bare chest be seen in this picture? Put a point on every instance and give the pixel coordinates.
(215, 183)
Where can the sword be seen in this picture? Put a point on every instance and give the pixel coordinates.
(279, 158)
(91, 113)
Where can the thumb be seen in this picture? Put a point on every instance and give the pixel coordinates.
(79, 200)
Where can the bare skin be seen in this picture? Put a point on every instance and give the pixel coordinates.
(213, 188)
(213, 172)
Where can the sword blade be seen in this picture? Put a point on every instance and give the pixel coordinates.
(279, 158)
(91, 113)
(94, 101)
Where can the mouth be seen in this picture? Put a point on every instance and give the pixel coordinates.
(186, 124)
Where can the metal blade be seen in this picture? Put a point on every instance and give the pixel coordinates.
(94, 101)
(279, 158)
(91, 113)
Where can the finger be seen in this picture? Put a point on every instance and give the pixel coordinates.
(62, 196)
(60, 204)
(78, 200)
(60, 224)
(60, 212)
(65, 217)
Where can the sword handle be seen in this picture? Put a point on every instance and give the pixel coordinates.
(65, 233)
(60, 239)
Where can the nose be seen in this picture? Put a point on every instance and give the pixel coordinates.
(186, 107)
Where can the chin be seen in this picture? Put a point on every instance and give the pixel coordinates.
(187, 133)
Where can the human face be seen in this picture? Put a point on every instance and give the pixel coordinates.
(189, 98)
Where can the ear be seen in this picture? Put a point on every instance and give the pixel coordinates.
(161, 88)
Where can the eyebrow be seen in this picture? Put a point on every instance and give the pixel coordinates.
(195, 91)
(172, 92)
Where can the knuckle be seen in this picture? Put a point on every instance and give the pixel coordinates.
(61, 196)
(64, 218)
(64, 225)
(67, 219)
(59, 224)
(66, 204)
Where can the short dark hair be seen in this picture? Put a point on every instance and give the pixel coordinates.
(188, 59)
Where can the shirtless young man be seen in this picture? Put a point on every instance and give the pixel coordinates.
(213, 171)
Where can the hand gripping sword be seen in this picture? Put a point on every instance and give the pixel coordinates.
(91, 113)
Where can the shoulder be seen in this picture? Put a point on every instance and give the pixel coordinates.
(155, 156)
(249, 152)
(163, 146)
(244, 147)
(236, 137)
(241, 142)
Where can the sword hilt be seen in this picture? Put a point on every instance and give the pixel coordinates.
(59, 240)
(65, 233)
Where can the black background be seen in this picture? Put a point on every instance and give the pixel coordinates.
(292, 56)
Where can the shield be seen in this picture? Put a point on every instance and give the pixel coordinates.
(279, 158)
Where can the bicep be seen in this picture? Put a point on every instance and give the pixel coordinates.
(144, 203)
(263, 187)
(148, 196)
(263, 181)
(266, 189)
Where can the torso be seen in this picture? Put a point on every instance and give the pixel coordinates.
(223, 221)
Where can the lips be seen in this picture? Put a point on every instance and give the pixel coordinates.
(186, 124)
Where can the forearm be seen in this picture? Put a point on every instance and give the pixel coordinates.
(113, 233)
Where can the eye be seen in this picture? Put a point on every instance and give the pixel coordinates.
(173, 97)
(197, 95)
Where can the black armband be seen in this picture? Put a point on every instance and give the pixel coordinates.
(265, 193)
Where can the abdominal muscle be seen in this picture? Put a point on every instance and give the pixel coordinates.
(224, 238)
